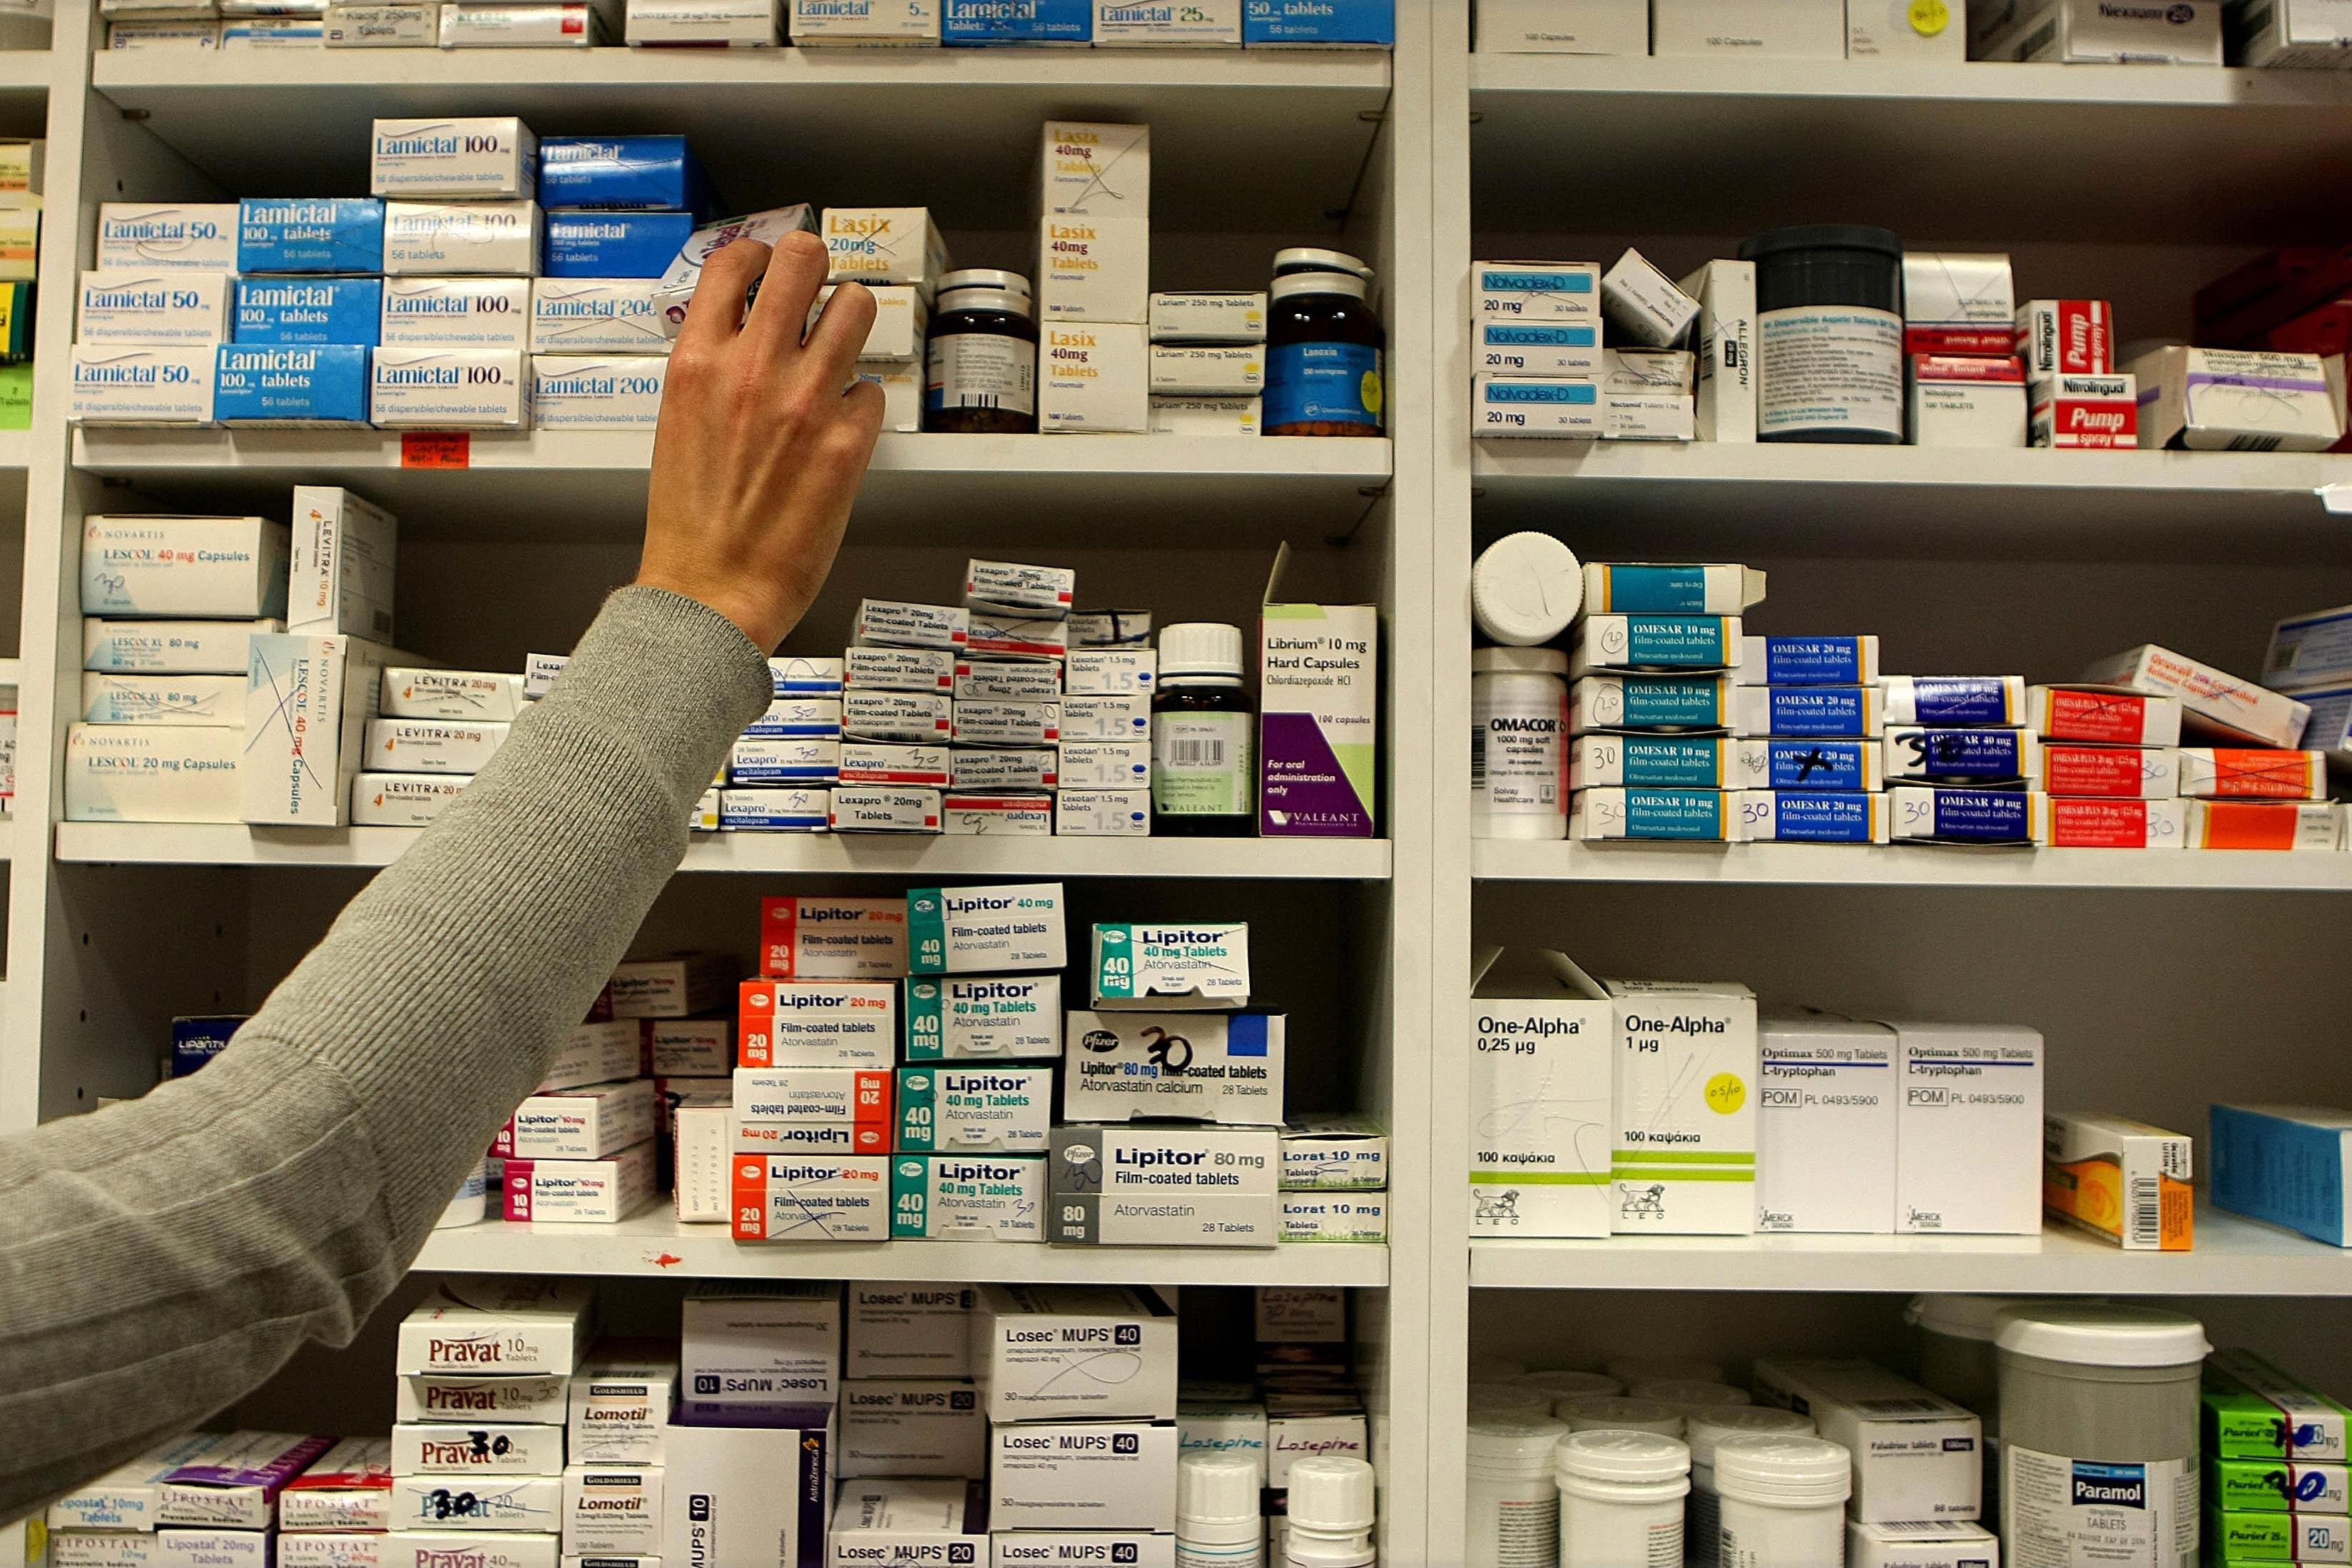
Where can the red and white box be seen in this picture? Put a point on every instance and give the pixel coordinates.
(810, 1198)
(913, 767)
(2074, 822)
(832, 939)
(585, 1123)
(1956, 302)
(1966, 402)
(677, 987)
(2213, 701)
(998, 815)
(883, 809)
(847, 1111)
(2228, 772)
(598, 1051)
(2082, 412)
(818, 1024)
(476, 1448)
(2275, 825)
(2108, 715)
(584, 1192)
(2066, 337)
(349, 1488)
(2110, 773)
(689, 1048)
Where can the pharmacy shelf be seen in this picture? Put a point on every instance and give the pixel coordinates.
(2233, 1256)
(1334, 860)
(1701, 145)
(24, 89)
(1920, 866)
(656, 1244)
(953, 129)
(1805, 497)
(15, 451)
(1064, 490)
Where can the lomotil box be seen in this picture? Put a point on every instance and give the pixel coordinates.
(1543, 1114)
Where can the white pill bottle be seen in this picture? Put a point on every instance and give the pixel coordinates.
(1518, 743)
(1705, 1430)
(1620, 1499)
(1512, 1503)
(1217, 1520)
(1331, 1504)
(1783, 1501)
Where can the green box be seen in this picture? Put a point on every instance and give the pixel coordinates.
(2277, 1486)
(2254, 1411)
(16, 397)
(2277, 1537)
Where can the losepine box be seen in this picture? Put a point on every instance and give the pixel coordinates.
(1004, 929)
(486, 695)
(1914, 1545)
(446, 157)
(1082, 1476)
(1333, 1151)
(595, 316)
(620, 173)
(613, 244)
(466, 1397)
(1968, 1129)
(817, 1022)
(435, 388)
(280, 311)
(492, 1325)
(1075, 1548)
(1169, 968)
(594, 392)
(985, 1017)
(477, 1449)
(612, 1508)
(309, 700)
(810, 937)
(810, 1198)
(309, 234)
(898, 1330)
(1916, 1457)
(1164, 1185)
(130, 385)
(2211, 701)
(1543, 1114)
(190, 238)
(1224, 1068)
(1685, 1154)
(507, 1504)
(1825, 1125)
(981, 1109)
(455, 312)
(1031, 1346)
(434, 238)
(865, 23)
(783, 1108)
(968, 1197)
(152, 306)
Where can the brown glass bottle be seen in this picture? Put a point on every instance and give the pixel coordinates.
(981, 360)
(1203, 736)
(1323, 350)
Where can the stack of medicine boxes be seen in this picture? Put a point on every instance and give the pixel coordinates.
(1651, 698)
(898, 253)
(619, 209)
(615, 1430)
(1082, 1469)
(914, 1440)
(483, 1372)
(1541, 368)
(896, 716)
(779, 776)
(1308, 1402)
(1171, 1038)
(1208, 364)
(1803, 788)
(2275, 1476)
(1008, 695)
(174, 606)
(2108, 765)
(2077, 398)
(436, 731)
(209, 1497)
(2246, 787)
(152, 317)
(337, 1511)
(461, 244)
(752, 1448)
(1094, 278)
(1960, 765)
(22, 168)
(311, 304)
(1967, 384)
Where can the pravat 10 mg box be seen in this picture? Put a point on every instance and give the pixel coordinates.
(1164, 1186)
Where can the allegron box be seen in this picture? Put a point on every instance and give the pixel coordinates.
(1543, 1115)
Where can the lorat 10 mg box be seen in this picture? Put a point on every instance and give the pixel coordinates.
(1044, 1352)
(993, 1018)
(1224, 1068)
(1165, 968)
(968, 1197)
(1164, 1186)
(1334, 1152)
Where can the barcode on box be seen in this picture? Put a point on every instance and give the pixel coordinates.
(1206, 752)
(2146, 1210)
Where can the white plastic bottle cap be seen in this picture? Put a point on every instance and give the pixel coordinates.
(1630, 1370)
(986, 277)
(1503, 1396)
(1308, 259)
(1217, 1488)
(1689, 1394)
(1704, 1430)
(1963, 1316)
(1524, 589)
(1771, 1468)
(1523, 661)
(2097, 1334)
(1200, 647)
(1564, 1384)
(1606, 1412)
(1518, 1443)
(1495, 1368)
(1621, 1455)
(1331, 1493)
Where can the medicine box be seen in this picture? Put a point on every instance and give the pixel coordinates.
(973, 23)
(2066, 337)
(1319, 754)
(675, 987)
(1002, 815)
(322, 234)
(1206, 416)
(153, 773)
(169, 648)
(1037, 1350)
(1654, 642)
(1796, 765)
(451, 694)
(2103, 714)
(1707, 815)
(2234, 400)
(429, 238)
(689, 1048)
(201, 237)
(2253, 1410)
(141, 386)
(1208, 318)
(2077, 32)
(911, 1426)
(163, 699)
(975, 1109)
(1754, 30)
(1953, 699)
(1005, 929)
(974, 770)
(488, 1324)
(888, 622)
(283, 311)
(2133, 773)
(1958, 304)
(455, 312)
(464, 1396)
(593, 392)
(1563, 27)
(1807, 660)
(1915, 1455)
(613, 244)
(316, 383)
(2082, 412)
(863, 23)
(1970, 1130)
(2067, 821)
(1684, 1162)
(1917, 1544)
(1650, 702)
(1085, 167)
(1965, 402)
(982, 721)
(1015, 680)
(1642, 303)
(1092, 375)
(481, 157)
(968, 1197)
(343, 554)
(2212, 702)
(1825, 1126)
(2276, 825)
(1017, 634)
(760, 1342)
(588, 315)
(1057, 1548)
(816, 1022)
(348, 1490)
(1309, 1217)
(2271, 1486)
(597, 1052)
(1526, 406)
(1163, 1186)
(620, 173)
(612, 1508)
(898, 1330)
(733, 1489)
(810, 937)
(152, 306)
(585, 1123)
(2256, 774)
(432, 745)
(1975, 754)
(487, 1449)
(1645, 588)
(1004, 1017)
(1538, 291)
(2310, 651)
(1318, 23)
(1543, 1107)
(798, 718)
(2286, 1165)
(1083, 1475)
(405, 27)
(1334, 1152)
(861, 808)
(1164, 968)
(309, 702)
(2122, 1179)
(1724, 343)
(1895, 30)
(475, 389)
(1221, 1067)
(884, 245)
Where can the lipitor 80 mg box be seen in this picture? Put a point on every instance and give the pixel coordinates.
(1222, 1067)
(1164, 1186)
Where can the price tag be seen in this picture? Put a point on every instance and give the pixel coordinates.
(436, 449)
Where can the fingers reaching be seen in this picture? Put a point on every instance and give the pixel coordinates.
(717, 308)
(838, 339)
(796, 271)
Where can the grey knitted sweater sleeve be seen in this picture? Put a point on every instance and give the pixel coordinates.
(160, 1259)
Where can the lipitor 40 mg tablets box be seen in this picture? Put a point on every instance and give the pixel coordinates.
(994, 1017)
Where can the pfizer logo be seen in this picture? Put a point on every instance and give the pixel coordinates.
(1078, 1153)
(919, 1082)
(1111, 936)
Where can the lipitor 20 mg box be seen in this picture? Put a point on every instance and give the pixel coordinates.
(818, 1023)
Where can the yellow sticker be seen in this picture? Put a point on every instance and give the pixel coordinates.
(1930, 17)
(1369, 391)
(1724, 1093)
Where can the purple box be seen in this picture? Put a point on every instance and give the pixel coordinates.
(1319, 720)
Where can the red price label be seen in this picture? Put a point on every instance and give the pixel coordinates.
(435, 449)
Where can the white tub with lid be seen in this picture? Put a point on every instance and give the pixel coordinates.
(1783, 1501)
(1612, 1412)
(1620, 1499)
(1512, 1501)
(1703, 1430)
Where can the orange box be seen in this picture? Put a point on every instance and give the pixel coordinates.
(832, 939)
(810, 1198)
(2235, 772)
(839, 1111)
(2264, 825)
(2069, 822)
(2120, 1179)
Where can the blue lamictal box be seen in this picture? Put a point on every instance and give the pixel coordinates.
(967, 23)
(195, 1041)
(309, 234)
(614, 244)
(1318, 23)
(280, 311)
(314, 383)
(621, 174)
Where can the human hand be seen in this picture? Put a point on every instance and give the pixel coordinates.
(763, 437)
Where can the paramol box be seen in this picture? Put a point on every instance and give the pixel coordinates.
(1915, 1455)
(963, 930)
(968, 1197)
(1065, 1353)
(1223, 1067)
(2254, 1411)
(982, 1110)
(1168, 968)
(1164, 1186)
(984, 1018)
(1685, 1079)
(1543, 1111)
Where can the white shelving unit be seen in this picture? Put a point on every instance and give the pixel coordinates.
(2161, 981)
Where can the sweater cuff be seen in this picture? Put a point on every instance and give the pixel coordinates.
(676, 670)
